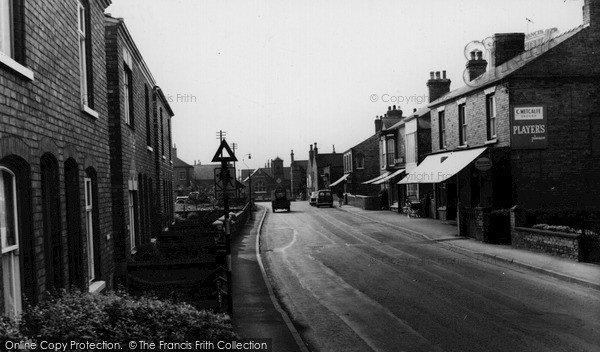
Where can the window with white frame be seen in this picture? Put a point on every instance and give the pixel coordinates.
(132, 234)
(382, 147)
(9, 233)
(260, 187)
(89, 227)
(442, 128)
(411, 148)
(462, 125)
(390, 152)
(83, 66)
(6, 28)
(127, 95)
(491, 116)
(360, 161)
(348, 162)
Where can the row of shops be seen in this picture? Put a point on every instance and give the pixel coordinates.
(522, 132)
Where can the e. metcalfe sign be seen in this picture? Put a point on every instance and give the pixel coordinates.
(529, 129)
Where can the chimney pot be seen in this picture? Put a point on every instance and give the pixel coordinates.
(479, 55)
(431, 75)
(473, 55)
(414, 109)
(394, 107)
(444, 74)
(437, 75)
(389, 108)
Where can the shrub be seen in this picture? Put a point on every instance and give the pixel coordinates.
(9, 329)
(117, 317)
(147, 252)
(558, 228)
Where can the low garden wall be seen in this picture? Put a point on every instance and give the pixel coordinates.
(564, 232)
(562, 244)
(364, 202)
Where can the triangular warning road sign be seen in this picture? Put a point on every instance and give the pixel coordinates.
(227, 156)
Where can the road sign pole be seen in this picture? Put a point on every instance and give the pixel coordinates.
(225, 179)
(227, 223)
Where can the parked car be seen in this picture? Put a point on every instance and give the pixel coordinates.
(324, 197)
(313, 198)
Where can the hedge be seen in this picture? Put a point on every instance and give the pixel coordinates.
(115, 317)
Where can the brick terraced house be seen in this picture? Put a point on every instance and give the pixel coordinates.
(55, 190)
(522, 132)
(141, 154)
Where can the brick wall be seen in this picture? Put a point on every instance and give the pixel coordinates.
(369, 148)
(566, 173)
(45, 116)
(133, 156)
(475, 112)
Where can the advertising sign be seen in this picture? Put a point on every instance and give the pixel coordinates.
(528, 128)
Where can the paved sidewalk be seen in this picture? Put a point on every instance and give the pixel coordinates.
(256, 312)
(581, 273)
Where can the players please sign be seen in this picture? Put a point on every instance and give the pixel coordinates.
(528, 127)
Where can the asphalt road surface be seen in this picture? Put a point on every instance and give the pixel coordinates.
(351, 284)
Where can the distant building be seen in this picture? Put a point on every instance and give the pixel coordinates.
(264, 180)
(182, 175)
(323, 169)
(298, 176)
(390, 128)
(361, 165)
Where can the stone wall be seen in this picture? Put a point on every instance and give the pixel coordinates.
(566, 245)
(364, 202)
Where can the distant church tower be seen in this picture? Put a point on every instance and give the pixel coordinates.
(277, 168)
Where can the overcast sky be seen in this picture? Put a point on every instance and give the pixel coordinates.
(280, 75)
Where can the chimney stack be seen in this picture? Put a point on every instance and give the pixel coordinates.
(437, 85)
(476, 66)
(292, 157)
(591, 13)
(378, 124)
(506, 47)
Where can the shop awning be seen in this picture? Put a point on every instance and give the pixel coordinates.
(376, 178)
(341, 179)
(389, 177)
(440, 167)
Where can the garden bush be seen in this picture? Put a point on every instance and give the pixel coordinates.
(116, 317)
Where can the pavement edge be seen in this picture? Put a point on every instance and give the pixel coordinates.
(470, 253)
(284, 315)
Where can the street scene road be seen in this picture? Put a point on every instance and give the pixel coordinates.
(350, 283)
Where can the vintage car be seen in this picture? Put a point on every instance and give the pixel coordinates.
(324, 197)
(313, 198)
(280, 199)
